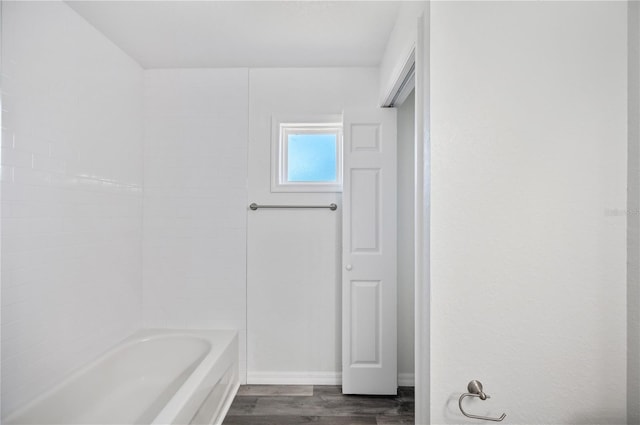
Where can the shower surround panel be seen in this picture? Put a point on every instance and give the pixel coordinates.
(71, 185)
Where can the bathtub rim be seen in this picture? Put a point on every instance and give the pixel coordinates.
(172, 409)
(223, 337)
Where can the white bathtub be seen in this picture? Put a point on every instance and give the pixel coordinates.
(153, 377)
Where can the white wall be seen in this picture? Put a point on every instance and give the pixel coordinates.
(406, 281)
(633, 218)
(293, 281)
(195, 217)
(528, 116)
(195, 174)
(71, 196)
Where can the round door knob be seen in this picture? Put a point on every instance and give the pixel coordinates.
(348, 267)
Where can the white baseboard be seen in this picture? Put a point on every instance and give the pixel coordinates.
(294, 378)
(311, 378)
(406, 380)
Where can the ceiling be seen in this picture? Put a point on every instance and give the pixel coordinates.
(197, 34)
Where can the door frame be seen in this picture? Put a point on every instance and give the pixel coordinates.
(422, 222)
(415, 74)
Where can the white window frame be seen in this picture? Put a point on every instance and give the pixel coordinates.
(282, 128)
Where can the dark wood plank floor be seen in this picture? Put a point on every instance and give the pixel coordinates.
(318, 405)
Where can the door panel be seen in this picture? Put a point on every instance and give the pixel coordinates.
(365, 214)
(369, 340)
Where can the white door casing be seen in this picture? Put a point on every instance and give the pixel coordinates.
(369, 306)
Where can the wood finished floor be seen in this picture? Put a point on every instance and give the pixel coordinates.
(318, 405)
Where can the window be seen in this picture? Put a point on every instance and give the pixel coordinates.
(308, 157)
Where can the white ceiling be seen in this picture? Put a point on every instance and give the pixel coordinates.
(170, 34)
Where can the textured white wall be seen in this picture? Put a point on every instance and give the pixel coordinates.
(406, 281)
(633, 218)
(293, 282)
(195, 175)
(71, 196)
(528, 104)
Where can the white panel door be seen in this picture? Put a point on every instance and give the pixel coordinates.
(369, 340)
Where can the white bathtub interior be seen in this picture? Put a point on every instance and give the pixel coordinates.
(153, 377)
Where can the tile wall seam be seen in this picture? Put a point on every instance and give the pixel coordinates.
(143, 319)
(246, 235)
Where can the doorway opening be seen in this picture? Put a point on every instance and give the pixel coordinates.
(406, 239)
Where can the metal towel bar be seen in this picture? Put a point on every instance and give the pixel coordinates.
(255, 206)
(475, 390)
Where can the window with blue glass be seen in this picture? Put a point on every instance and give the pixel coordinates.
(309, 158)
